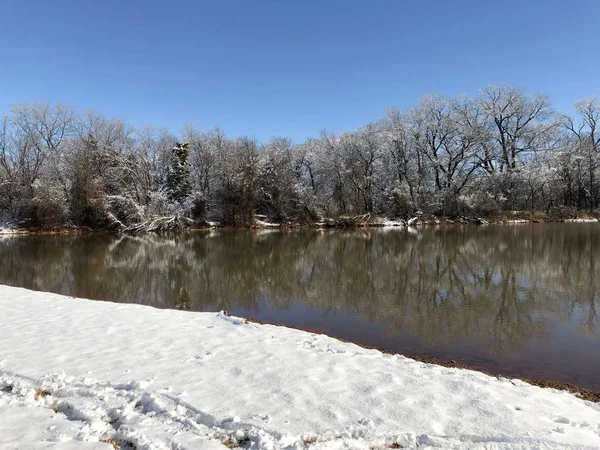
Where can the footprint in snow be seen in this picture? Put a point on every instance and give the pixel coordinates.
(366, 422)
(266, 418)
(204, 355)
(561, 419)
(200, 357)
(315, 347)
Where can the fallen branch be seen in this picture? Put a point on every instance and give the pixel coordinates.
(160, 224)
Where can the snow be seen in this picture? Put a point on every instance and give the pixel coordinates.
(8, 227)
(582, 220)
(412, 221)
(265, 224)
(389, 223)
(75, 373)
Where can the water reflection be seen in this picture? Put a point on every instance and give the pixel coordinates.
(516, 298)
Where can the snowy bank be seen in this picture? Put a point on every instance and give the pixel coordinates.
(79, 374)
(8, 227)
(582, 220)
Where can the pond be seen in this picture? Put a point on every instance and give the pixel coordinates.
(517, 300)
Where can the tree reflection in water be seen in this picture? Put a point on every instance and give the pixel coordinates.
(495, 293)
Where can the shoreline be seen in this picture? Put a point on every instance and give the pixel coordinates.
(579, 391)
(95, 374)
(589, 393)
(334, 224)
(584, 393)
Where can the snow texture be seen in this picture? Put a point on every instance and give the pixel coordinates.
(79, 374)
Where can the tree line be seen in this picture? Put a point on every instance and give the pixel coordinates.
(502, 150)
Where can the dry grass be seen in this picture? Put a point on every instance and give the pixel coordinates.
(40, 393)
(309, 440)
(230, 443)
(119, 444)
(113, 442)
(235, 443)
(392, 445)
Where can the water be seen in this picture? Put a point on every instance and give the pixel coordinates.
(517, 300)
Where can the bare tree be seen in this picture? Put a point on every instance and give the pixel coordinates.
(512, 116)
(586, 146)
(502, 149)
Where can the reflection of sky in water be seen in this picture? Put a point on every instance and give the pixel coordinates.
(518, 300)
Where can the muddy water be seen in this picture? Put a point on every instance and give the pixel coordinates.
(518, 300)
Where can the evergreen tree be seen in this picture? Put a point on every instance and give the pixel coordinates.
(178, 176)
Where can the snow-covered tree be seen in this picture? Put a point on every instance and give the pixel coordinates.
(178, 176)
(584, 147)
(503, 149)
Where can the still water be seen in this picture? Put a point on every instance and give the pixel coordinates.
(516, 300)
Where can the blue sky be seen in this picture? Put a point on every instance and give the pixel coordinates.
(289, 68)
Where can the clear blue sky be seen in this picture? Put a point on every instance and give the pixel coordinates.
(291, 68)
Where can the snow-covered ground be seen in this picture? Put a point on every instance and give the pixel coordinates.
(75, 373)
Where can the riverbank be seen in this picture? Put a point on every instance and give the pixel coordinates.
(581, 392)
(363, 221)
(98, 375)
